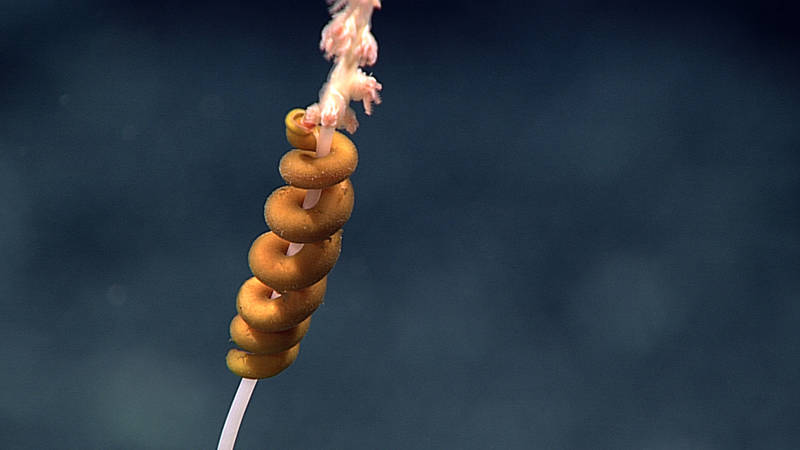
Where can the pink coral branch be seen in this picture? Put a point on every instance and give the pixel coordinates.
(348, 41)
(365, 88)
(367, 48)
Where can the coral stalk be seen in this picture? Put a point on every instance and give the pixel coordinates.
(231, 428)
(270, 348)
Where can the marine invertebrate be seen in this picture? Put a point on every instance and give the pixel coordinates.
(276, 304)
(291, 262)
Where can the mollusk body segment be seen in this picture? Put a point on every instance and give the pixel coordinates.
(269, 330)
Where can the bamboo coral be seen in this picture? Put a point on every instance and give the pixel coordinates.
(290, 263)
(347, 40)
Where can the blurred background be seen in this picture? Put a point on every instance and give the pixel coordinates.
(576, 226)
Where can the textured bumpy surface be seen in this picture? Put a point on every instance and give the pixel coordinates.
(268, 330)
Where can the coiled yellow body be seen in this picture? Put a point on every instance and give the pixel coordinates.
(269, 330)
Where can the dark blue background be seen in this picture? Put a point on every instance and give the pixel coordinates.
(576, 226)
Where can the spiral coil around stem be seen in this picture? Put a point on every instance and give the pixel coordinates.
(268, 330)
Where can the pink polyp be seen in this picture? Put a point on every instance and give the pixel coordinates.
(349, 121)
(348, 41)
(365, 88)
(367, 49)
(312, 116)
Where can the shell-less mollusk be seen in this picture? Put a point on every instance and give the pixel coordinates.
(261, 342)
(302, 168)
(270, 264)
(264, 313)
(269, 330)
(288, 219)
(250, 365)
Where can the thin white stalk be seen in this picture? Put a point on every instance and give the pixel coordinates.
(242, 398)
(235, 414)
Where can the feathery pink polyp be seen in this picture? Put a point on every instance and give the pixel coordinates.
(348, 41)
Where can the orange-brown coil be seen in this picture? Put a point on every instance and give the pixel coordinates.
(269, 330)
